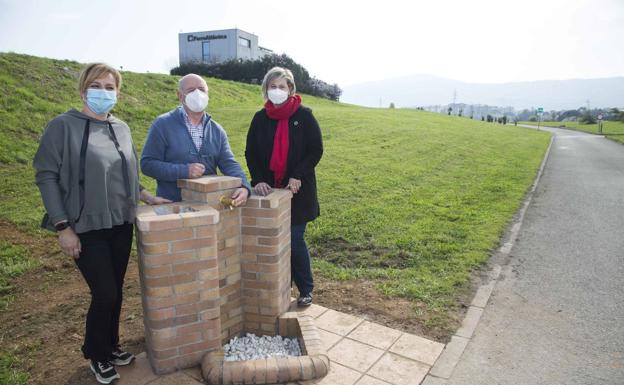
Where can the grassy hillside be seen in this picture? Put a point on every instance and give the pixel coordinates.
(612, 130)
(413, 201)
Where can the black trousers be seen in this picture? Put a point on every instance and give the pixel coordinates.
(103, 262)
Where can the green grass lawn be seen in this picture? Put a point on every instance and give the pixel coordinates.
(412, 200)
(612, 130)
(14, 260)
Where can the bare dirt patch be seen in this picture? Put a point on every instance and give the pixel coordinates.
(362, 299)
(44, 325)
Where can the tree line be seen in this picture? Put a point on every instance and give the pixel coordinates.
(582, 115)
(253, 71)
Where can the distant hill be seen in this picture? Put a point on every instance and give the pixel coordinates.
(423, 90)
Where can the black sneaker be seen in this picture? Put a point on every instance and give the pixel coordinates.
(121, 358)
(105, 373)
(305, 300)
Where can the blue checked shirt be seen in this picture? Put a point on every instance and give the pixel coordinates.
(197, 132)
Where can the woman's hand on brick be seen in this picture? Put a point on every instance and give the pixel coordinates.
(149, 199)
(262, 189)
(294, 185)
(159, 201)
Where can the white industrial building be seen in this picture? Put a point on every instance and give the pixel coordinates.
(219, 46)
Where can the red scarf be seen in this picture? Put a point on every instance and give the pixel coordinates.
(279, 157)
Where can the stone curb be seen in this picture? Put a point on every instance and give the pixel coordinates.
(446, 362)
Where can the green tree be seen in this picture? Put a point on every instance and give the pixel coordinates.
(587, 118)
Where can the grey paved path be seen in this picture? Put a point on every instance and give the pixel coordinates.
(556, 315)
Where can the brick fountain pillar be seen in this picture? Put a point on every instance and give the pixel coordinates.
(208, 272)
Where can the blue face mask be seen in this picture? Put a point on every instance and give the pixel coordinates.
(100, 101)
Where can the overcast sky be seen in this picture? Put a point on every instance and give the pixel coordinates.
(338, 41)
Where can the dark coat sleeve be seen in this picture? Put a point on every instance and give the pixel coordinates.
(306, 149)
(313, 147)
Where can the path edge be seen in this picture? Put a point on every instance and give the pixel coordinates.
(444, 366)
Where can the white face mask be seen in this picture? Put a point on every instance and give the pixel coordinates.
(277, 96)
(196, 101)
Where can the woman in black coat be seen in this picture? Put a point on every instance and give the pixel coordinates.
(284, 145)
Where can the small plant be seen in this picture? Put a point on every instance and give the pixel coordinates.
(9, 370)
(587, 118)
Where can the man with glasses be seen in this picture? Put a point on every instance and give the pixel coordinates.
(186, 143)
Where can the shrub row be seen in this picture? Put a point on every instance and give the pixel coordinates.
(253, 71)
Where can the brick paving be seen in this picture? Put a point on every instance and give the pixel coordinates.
(361, 353)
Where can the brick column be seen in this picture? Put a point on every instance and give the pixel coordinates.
(209, 190)
(179, 279)
(266, 260)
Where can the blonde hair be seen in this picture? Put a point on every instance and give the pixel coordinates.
(95, 71)
(278, 73)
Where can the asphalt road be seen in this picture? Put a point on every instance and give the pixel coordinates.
(556, 316)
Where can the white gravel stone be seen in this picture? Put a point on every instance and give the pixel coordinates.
(251, 347)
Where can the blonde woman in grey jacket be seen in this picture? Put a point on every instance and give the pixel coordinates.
(87, 173)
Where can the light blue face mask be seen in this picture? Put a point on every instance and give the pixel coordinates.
(100, 101)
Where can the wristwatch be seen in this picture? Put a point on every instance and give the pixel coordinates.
(61, 226)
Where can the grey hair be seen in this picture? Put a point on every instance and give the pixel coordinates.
(181, 81)
(278, 73)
